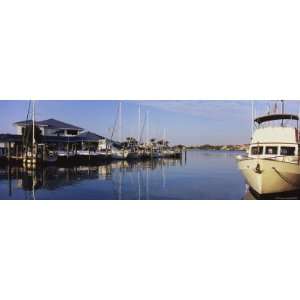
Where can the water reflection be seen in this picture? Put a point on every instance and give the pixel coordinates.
(117, 180)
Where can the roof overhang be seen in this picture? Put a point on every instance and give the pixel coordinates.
(275, 117)
(23, 124)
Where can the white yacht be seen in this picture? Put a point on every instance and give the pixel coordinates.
(272, 163)
(119, 153)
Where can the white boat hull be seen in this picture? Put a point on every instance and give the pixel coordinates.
(156, 155)
(268, 176)
(119, 154)
(85, 153)
(65, 154)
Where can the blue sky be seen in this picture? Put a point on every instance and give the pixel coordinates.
(187, 122)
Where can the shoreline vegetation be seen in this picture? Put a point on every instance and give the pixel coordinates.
(243, 147)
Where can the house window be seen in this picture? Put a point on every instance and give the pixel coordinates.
(257, 150)
(72, 132)
(287, 151)
(270, 150)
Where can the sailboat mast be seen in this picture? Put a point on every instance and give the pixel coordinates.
(147, 127)
(120, 121)
(33, 123)
(139, 124)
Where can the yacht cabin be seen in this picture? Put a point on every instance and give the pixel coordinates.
(275, 137)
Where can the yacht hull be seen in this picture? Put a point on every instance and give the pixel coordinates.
(119, 155)
(267, 176)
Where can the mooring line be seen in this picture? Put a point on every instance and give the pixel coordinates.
(280, 175)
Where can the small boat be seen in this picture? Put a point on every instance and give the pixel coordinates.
(145, 154)
(102, 154)
(50, 157)
(156, 153)
(92, 154)
(119, 153)
(62, 153)
(86, 153)
(272, 164)
(133, 155)
(168, 153)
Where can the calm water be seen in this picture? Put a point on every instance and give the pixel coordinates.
(203, 175)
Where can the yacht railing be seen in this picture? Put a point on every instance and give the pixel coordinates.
(286, 158)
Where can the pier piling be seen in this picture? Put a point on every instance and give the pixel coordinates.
(8, 151)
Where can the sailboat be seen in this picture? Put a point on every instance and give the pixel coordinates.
(31, 157)
(33, 153)
(166, 151)
(117, 153)
(272, 164)
(134, 147)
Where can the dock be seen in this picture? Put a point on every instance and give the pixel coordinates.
(51, 141)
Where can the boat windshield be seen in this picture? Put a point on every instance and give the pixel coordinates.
(288, 151)
(257, 150)
(273, 150)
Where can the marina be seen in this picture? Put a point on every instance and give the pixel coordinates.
(45, 156)
(47, 142)
(207, 175)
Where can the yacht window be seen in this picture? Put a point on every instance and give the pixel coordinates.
(271, 150)
(287, 151)
(257, 150)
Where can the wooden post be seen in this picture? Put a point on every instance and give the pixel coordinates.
(9, 180)
(44, 152)
(8, 151)
(68, 151)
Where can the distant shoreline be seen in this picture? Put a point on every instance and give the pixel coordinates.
(219, 147)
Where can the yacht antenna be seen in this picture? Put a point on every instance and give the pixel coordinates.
(282, 111)
(298, 125)
(252, 117)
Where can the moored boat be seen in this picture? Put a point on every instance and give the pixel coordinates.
(50, 157)
(133, 155)
(95, 155)
(119, 153)
(272, 164)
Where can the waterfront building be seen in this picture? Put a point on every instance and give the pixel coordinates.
(50, 127)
